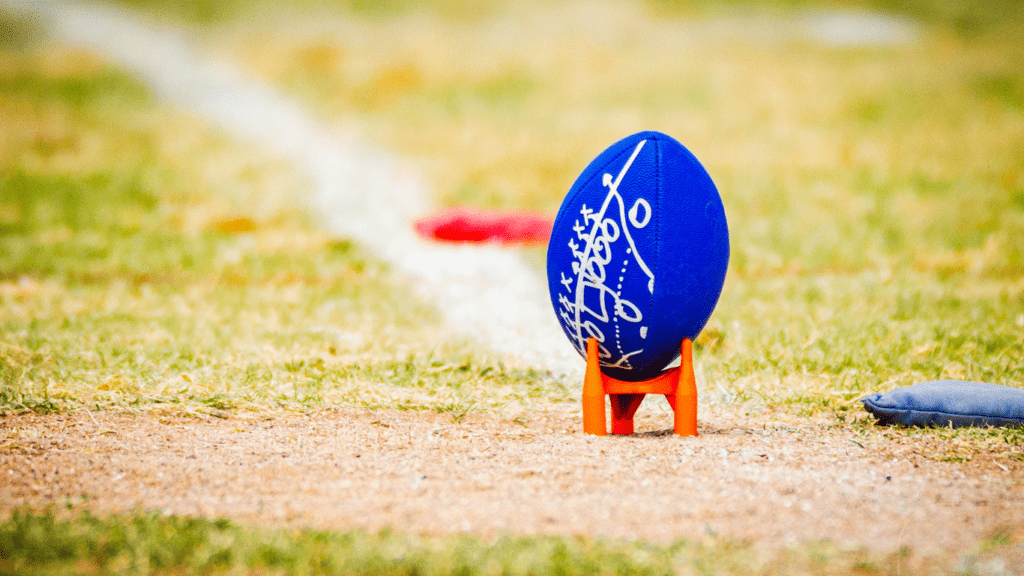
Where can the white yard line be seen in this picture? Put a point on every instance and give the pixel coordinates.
(486, 293)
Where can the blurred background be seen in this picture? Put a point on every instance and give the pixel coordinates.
(842, 135)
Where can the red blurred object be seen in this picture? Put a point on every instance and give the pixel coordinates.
(476, 225)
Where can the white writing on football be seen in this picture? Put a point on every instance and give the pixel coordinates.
(589, 294)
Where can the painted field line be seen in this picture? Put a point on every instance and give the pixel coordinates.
(485, 293)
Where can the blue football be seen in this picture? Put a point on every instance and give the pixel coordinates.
(638, 254)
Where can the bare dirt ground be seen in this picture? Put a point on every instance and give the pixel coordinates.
(771, 481)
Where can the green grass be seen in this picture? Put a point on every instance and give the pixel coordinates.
(146, 261)
(877, 226)
(827, 340)
(149, 543)
(874, 194)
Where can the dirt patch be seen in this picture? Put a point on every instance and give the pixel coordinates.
(767, 480)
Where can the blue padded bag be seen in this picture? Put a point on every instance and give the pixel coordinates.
(949, 403)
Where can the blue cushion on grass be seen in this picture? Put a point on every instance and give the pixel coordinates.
(949, 402)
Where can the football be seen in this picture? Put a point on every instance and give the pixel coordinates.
(638, 255)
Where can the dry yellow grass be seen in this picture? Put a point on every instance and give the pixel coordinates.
(147, 262)
(875, 194)
(828, 158)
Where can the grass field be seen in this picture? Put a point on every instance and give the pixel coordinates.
(148, 262)
(877, 224)
(873, 192)
(151, 544)
(875, 196)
